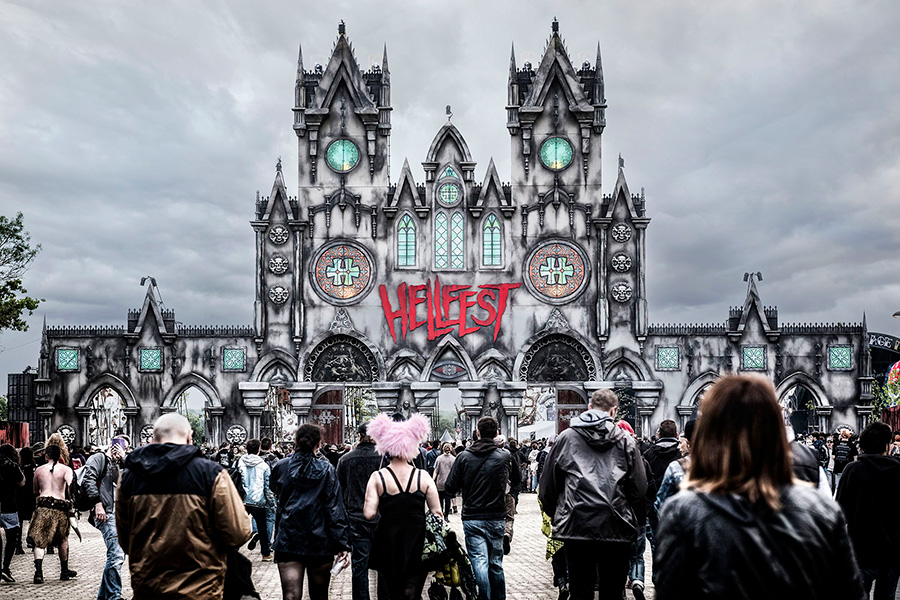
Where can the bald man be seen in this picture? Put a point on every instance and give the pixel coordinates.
(179, 515)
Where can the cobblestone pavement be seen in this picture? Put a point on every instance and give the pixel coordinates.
(528, 575)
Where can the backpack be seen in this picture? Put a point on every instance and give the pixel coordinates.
(77, 492)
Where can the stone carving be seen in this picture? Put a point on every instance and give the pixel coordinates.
(556, 320)
(236, 434)
(621, 262)
(341, 320)
(68, 434)
(341, 358)
(278, 264)
(278, 294)
(279, 235)
(557, 358)
(621, 233)
(621, 292)
(146, 434)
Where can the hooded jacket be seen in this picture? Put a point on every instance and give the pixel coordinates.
(178, 514)
(255, 478)
(661, 454)
(481, 473)
(722, 546)
(868, 493)
(310, 518)
(593, 482)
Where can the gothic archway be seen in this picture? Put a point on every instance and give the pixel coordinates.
(557, 357)
(340, 359)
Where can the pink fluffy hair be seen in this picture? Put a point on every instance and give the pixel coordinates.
(400, 439)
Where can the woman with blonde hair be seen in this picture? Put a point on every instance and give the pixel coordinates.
(442, 467)
(57, 440)
(741, 528)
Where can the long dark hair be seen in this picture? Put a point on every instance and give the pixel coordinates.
(740, 445)
(7, 451)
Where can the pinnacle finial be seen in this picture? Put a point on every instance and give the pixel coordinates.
(555, 25)
(278, 165)
(621, 162)
(342, 28)
(449, 113)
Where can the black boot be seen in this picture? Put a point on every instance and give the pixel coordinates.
(38, 570)
(65, 573)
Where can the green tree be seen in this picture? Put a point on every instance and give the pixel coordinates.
(16, 255)
(4, 409)
(198, 426)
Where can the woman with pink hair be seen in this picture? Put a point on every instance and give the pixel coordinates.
(399, 492)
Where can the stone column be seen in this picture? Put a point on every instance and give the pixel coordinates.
(511, 397)
(84, 417)
(387, 395)
(862, 416)
(425, 397)
(473, 396)
(46, 413)
(131, 413)
(646, 394)
(215, 423)
(301, 393)
(253, 395)
(685, 413)
(823, 416)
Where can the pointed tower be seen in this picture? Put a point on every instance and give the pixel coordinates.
(278, 309)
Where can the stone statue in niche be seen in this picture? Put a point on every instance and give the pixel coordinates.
(557, 362)
(492, 408)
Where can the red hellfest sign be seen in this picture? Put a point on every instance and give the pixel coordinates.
(440, 301)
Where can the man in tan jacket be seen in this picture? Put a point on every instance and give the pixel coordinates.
(179, 514)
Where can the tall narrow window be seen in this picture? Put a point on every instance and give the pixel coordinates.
(406, 242)
(457, 241)
(491, 245)
(441, 256)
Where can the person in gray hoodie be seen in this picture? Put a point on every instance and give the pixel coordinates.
(592, 486)
(255, 476)
(101, 476)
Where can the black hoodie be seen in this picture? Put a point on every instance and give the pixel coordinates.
(481, 473)
(868, 493)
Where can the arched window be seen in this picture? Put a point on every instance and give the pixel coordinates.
(491, 242)
(457, 240)
(406, 242)
(449, 240)
(441, 246)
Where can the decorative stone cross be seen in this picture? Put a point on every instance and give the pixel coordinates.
(557, 271)
(342, 271)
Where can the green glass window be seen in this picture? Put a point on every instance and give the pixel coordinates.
(441, 256)
(448, 193)
(342, 155)
(753, 358)
(406, 242)
(66, 359)
(151, 359)
(449, 172)
(667, 358)
(840, 357)
(457, 241)
(556, 153)
(234, 359)
(492, 250)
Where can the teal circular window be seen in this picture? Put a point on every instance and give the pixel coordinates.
(342, 155)
(448, 194)
(556, 153)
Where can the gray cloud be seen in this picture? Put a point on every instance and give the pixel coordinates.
(766, 134)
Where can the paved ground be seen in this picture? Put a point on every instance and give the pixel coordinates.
(528, 575)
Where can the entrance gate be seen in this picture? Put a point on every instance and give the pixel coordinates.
(569, 404)
(328, 411)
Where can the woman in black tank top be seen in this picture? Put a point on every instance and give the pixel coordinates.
(400, 493)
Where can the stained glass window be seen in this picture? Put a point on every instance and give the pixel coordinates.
(448, 194)
(491, 244)
(66, 359)
(556, 153)
(441, 256)
(840, 357)
(151, 359)
(342, 155)
(234, 359)
(667, 358)
(457, 241)
(449, 172)
(753, 358)
(406, 242)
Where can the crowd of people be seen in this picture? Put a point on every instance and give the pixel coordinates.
(734, 506)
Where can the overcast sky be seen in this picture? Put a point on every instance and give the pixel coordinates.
(766, 133)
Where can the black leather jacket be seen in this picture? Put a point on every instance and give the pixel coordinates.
(481, 473)
(310, 518)
(721, 546)
(593, 484)
(354, 470)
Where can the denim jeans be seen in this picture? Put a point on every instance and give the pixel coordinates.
(636, 570)
(111, 582)
(258, 512)
(885, 580)
(270, 523)
(484, 542)
(361, 533)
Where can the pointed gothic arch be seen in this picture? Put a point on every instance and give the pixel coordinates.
(696, 388)
(801, 379)
(107, 380)
(448, 133)
(188, 381)
(491, 230)
(266, 363)
(633, 360)
(342, 357)
(558, 356)
(448, 342)
(406, 236)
